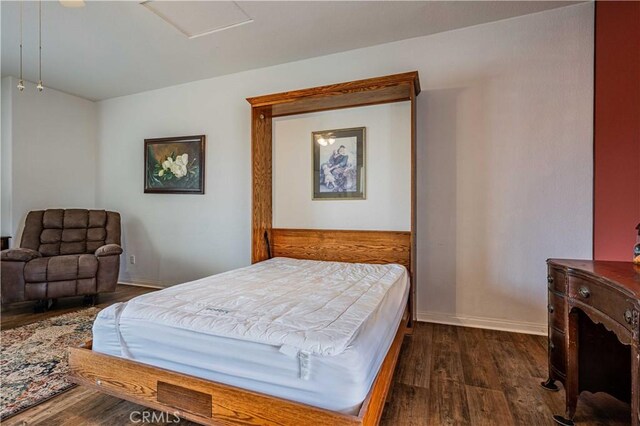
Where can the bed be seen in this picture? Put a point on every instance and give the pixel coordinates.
(338, 319)
(284, 341)
(162, 358)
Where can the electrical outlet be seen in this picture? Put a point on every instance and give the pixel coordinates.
(132, 259)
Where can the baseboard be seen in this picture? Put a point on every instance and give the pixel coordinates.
(141, 284)
(483, 322)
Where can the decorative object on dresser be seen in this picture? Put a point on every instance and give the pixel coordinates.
(594, 331)
(338, 164)
(174, 165)
(71, 252)
(34, 363)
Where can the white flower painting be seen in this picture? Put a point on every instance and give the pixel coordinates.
(174, 166)
(178, 166)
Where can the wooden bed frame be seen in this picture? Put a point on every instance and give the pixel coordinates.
(211, 403)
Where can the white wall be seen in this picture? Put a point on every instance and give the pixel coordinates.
(50, 142)
(504, 170)
(5, 157)
(387, 171)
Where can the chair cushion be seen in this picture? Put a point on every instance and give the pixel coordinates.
(97, 218)
(36, 270)
(61, 268)
(71, 235)
(73, 248)
(19, 255)
(86, 286)
(87, 266)
(50, 236)
(53, 218)
(109, 250)
(76, 218)
(61, 289)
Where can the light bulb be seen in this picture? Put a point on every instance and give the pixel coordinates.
(20, 85)
(332, 141)
(322, 141)
(40, 86)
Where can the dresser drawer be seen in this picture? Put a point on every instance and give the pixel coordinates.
(557, 350)
(605, 299)
(556, 280)
(556, 311)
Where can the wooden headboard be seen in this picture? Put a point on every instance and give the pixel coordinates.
(325, 244)
(342, 246)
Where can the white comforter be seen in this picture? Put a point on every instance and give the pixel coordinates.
(299, 305)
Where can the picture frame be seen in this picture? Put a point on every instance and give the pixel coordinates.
(174, 165)
(339, 164)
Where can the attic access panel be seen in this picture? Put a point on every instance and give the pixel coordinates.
(199, 18)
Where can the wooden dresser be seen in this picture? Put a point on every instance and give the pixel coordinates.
(594, 329)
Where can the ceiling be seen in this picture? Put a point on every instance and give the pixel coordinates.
(114, 48)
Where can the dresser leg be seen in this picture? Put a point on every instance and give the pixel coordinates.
(550, 385)
(571, 384)
(572, 404)
(562, 421)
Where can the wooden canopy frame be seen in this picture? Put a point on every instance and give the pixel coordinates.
(211, 403)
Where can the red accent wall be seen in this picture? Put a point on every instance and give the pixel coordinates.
(616, 129)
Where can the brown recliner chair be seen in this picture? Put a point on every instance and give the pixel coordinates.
(63, 253)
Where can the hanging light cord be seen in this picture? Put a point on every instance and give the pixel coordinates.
(40, 87)
(20, 83)
(20, 40)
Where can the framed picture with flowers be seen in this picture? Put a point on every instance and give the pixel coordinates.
(174, 165)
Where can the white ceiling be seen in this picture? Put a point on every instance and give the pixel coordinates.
(115, 48)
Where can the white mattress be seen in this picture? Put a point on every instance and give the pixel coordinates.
(318, 335)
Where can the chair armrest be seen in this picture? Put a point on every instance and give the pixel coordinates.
(19, 255)
(109, 250)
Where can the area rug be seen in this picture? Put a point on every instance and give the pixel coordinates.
(33, 362)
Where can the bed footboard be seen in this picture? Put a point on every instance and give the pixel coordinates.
(211, 403)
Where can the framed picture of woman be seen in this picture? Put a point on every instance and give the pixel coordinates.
(338, 164)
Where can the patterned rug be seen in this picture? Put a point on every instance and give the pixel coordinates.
(33, 363)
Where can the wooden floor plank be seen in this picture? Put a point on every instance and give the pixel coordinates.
(407, 406)
(446, 363)
(488, 407)
(532, 356)
(478, 369)
(414, 366)
(448, 402)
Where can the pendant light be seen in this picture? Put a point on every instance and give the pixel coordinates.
(21, 81)
(20, 86)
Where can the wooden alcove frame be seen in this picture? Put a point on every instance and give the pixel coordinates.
(211, 403)
(326, 244)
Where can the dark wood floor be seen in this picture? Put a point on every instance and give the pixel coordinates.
(446, 375)
(22, 313)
